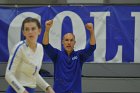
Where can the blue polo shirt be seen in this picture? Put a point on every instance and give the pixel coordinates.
(68, 69)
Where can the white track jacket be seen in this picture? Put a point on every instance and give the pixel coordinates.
(23, 68)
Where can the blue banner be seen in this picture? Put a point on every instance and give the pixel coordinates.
(116, 29)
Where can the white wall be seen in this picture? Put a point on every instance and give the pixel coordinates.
(123, 1)
(85, 1)
(37, 2)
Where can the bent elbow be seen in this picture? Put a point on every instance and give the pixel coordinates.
(6, 76)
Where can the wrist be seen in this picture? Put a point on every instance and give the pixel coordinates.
(48, 88)
(47, 29)
(91, 31)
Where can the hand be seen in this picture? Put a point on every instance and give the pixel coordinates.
(89, 26)
(48, 24)
(25, 91)
(50, 90)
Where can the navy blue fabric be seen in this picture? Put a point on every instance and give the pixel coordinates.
(118, 28)
(11, 90)
(68, 69)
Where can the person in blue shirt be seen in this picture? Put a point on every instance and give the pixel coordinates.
(68, 63)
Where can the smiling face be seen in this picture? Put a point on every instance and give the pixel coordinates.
(68, 42)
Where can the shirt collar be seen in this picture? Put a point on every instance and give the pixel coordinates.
(67, 53)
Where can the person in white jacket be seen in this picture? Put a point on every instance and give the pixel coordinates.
(22, 72)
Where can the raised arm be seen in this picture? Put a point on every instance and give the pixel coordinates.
(48, 25)
(90, 27)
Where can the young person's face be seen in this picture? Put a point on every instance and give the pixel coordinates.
(68, 42)
(31, 31)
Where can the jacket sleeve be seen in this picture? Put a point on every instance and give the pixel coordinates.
(13, 63)
(51, 51)
(87, 52)
(42, 83)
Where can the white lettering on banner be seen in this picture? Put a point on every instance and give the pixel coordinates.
(78, 30)
(100, 34)
(14, 32)
(137, 36)
(118, 57)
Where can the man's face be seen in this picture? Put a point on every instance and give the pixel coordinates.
(68, 42)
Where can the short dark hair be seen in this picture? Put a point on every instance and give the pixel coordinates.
(69, 33)
(30, 19)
